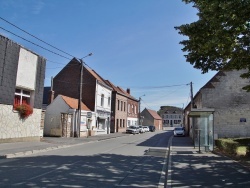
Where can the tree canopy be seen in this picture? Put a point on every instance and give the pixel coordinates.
(220, 38)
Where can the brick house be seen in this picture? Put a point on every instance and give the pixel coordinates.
(22, 74)
(221, 108)
(133, 109)
(150, 117)
(96, 94)
(118, 109)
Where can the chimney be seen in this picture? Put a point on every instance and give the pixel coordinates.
(128, 90)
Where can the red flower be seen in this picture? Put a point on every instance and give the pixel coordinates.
(24, 110)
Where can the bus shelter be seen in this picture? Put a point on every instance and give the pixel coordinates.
(202, 128)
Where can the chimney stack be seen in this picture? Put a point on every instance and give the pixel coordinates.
(128, 90)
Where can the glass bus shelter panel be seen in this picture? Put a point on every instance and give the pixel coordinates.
(203, 130)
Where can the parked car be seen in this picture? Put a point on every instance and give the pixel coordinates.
(179, 131)
(141, 129)
(151, 128)
(133, 129)
(146, 128)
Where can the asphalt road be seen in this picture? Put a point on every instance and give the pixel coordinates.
(130, 161)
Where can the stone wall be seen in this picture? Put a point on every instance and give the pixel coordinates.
(13, 129)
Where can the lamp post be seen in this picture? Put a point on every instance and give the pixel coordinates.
(80, 95)
(140, 109)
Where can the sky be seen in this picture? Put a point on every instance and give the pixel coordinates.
(134, 43)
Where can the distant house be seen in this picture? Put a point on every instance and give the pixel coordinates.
(21, 83)
(61, 118)
(150, 117)
(96, 94)
(221, 108)
(171, 116)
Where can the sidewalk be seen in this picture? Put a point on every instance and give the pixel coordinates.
(189, 168)
(17, 149)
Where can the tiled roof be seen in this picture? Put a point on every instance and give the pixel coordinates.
(73, 103)
(119, 90)
(153, 114)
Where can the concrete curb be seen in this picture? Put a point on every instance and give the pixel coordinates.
(30, 152)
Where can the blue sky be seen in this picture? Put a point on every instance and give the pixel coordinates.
(134, 43)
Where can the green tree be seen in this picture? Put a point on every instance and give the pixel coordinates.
(220, 38)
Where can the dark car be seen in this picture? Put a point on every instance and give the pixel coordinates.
(151, 128)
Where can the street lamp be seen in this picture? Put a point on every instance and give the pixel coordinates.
(80, 95)
(140, 108)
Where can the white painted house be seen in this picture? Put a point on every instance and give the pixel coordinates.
(61, 118)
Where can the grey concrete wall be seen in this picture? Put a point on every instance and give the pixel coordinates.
(231, 103)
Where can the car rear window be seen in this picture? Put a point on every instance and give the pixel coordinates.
(179, 128)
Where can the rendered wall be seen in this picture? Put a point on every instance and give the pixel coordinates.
(13, 129)
(231, 103)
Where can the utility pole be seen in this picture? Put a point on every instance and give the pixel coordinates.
(80, 96)
(140, 109)
(192, 97)
(80, 100)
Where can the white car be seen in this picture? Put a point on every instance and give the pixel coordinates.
(179, 131)
(141, 130)
(146, 128)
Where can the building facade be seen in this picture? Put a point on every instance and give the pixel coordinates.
(22, 74)
(96, 94)
(150, 117)
(221, 108)
(133, 110)
(171, 116)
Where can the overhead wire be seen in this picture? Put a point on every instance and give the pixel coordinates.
(34, 43)
(35, 37)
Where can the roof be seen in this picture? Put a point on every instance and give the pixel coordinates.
(73, 103)
(153, 114)
(97, 77)
(119, 90)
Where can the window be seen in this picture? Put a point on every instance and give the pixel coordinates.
(121, 105)
(123, 123)
(129, 108)
(133, 108)
(109, 101)
(22, 96)
(120, 122)
(124, 106)
(118, 103)
(102, 100)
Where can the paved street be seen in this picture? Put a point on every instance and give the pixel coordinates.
(117, 160)
(127, 161)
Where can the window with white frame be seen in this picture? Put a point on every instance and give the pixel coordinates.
(102, 100)
(129, 108)
(22, 97)
(109, 101)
